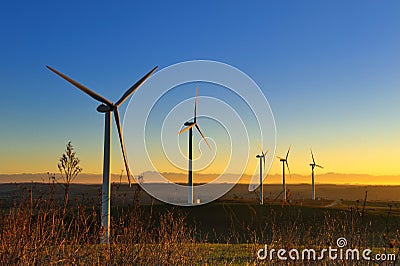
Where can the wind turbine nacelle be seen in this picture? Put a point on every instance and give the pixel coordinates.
(188, 123)
(102, 108)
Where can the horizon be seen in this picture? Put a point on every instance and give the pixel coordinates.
(271, 179)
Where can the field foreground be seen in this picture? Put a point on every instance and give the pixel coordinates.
(37, 228)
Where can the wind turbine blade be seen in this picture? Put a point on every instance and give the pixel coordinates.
(121, 140)
(259, 146)
(135, 87)
(280, 158)
(312, 155)
(264, 155)
(287, 154)
(287, 165)
(195, 104)
(82, 88)
(201, 133)
(320, 166)
(186, 129)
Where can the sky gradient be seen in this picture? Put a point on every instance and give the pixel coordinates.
(329, 69)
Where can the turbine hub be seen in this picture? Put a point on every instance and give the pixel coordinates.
(189, 123)
(102, 108)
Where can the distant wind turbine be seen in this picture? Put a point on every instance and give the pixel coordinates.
(107, 107)
(262, 166)
(189, 126)
(313, 165)
(284, 161)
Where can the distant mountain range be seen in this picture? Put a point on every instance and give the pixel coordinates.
(149, 177)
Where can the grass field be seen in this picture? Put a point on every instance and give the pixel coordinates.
(35, 230)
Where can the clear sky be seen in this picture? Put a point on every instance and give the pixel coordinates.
(329, 69)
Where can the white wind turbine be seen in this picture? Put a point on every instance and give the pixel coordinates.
(284, 161)
(107, 107)
(189, 126)
(262, 165)
(313, 165)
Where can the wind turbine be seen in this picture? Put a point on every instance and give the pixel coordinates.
(284, 161)
(107, 107)
(313, 165)
(189, 126)
(262, 165)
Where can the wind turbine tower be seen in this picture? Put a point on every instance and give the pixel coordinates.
(262, 165)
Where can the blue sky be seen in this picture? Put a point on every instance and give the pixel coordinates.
(329, 69)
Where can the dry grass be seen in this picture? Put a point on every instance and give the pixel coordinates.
(36, 231)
